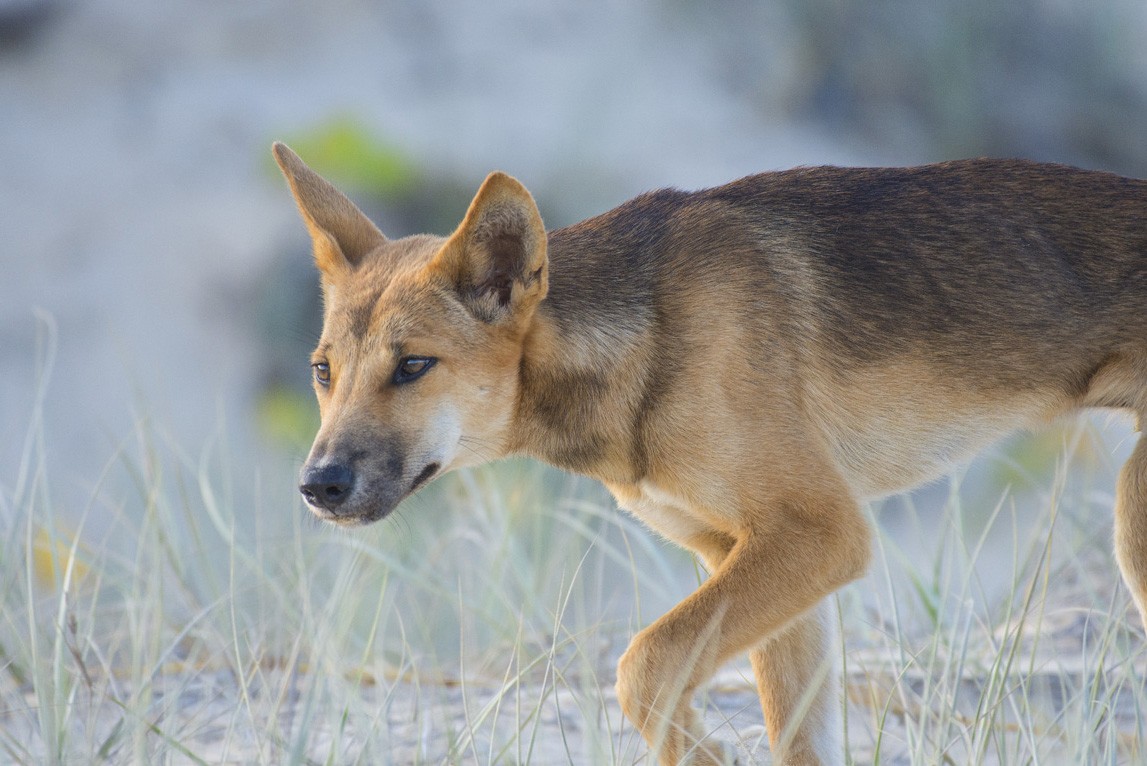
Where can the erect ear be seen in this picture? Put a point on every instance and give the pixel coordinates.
(342, 233)
(497, 257)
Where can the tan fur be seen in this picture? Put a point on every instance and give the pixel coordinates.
(743, 367)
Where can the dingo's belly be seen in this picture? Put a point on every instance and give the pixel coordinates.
(889, 431)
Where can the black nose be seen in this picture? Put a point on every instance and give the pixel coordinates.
(326, 486)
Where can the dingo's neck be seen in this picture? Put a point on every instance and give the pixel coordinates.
(585, 364)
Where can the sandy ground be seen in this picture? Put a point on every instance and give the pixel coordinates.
(273, 721)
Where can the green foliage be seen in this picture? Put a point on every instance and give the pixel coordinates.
(287, 417)
(346, 151)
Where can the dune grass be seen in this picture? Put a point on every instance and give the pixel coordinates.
(175, 620)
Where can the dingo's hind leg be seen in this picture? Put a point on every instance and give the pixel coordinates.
(1131, 523)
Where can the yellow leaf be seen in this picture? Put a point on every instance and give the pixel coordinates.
(51, 555)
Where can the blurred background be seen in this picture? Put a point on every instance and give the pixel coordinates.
(156, 282)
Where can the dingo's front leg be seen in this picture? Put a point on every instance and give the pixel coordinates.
(797, 678)
(778, 569)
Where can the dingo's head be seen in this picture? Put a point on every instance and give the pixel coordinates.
(416, 371)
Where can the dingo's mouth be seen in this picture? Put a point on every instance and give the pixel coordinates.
(426, 475)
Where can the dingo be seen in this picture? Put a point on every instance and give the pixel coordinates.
(742, 367)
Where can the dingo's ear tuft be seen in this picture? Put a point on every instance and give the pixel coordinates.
(342, 233)
(497, 257)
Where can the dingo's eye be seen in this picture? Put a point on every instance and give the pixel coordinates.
(411, 368)
(322, 373)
